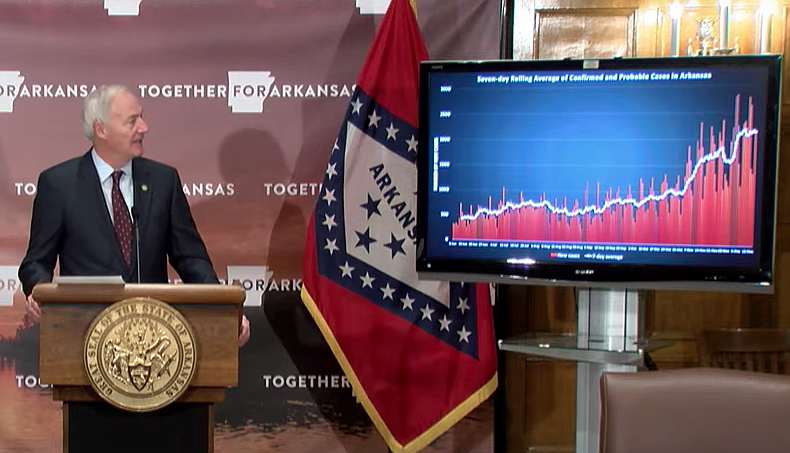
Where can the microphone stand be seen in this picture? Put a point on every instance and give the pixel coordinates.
(135, 220)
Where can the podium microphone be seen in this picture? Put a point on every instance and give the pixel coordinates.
(135, 221)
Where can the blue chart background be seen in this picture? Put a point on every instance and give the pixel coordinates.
(555, 138)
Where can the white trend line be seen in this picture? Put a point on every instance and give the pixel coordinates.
(743, 133)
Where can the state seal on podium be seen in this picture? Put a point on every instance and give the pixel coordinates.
(140, 354)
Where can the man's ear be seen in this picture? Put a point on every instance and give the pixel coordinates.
(98, 130)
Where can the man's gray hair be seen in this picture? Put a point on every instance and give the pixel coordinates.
(97, 106)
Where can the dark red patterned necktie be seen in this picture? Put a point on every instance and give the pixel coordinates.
(122, 222)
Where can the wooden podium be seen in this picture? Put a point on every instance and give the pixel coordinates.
(91, 424)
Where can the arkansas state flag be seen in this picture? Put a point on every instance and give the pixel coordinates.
(419, 354)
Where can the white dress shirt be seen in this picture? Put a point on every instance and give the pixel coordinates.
(105, 177)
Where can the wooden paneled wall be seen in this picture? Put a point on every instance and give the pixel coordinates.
(539, 393)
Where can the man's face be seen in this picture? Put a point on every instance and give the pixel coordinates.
(124, 130)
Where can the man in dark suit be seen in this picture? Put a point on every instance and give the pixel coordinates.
(85, 208)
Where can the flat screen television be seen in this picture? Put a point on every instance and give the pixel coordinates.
(654, 173)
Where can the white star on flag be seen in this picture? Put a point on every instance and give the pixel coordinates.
(329, 221)
(445, 323)
(407, 301)
(329, 197)
(427, 312)
(331, 245)
(463, 335)
(357, 104)
(367, 280)
(346, 270)
(330, 171)
(462, 305)
(387, 291)
(374, 119)
(391, 131)
(412, 142)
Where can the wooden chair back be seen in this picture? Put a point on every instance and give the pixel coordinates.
(763, 350)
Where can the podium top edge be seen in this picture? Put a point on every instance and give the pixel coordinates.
(73, 293)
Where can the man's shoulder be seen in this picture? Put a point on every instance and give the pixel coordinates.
(65, 168)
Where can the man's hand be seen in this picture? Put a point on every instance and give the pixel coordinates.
(33, 312)
(244, 331)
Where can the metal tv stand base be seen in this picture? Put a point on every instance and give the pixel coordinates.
(608, 338)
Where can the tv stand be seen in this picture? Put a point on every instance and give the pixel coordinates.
(609, 337)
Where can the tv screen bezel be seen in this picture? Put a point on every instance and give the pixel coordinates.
(758, 279)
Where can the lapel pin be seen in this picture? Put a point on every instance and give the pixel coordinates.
(144, 188)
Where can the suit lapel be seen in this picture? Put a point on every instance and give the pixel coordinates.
(90, 187)
(143, 191)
